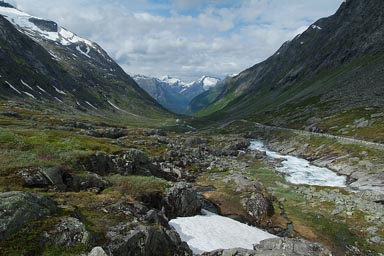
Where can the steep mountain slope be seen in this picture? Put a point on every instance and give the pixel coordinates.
(173, 93)
(329, 76)
(44, 64)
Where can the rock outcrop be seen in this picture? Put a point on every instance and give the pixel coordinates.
(139, 240)
(20, 208)
(277, 247)
(181, 201)
(69, 232)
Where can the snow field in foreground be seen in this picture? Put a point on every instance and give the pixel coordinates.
(209, 232)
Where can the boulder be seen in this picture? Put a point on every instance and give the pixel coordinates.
(277, 247)
(259, 207)
(94, 182)
(291, 246)
(194, 141)
(232, 252)
(97, 251)
(136, 156)
(20, 208)
(69, 232)
(156, 217)
(239, 145)
(34, 178)
(101, 164)
(57, 177)
(181, 201)
(132, 240)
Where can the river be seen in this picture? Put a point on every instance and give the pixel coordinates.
(300, 171)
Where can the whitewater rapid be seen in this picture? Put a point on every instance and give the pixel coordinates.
(300, 171)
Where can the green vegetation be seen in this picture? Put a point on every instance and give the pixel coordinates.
(138, 185)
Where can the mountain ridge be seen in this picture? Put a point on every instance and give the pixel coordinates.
(174, 94)
(47, 64)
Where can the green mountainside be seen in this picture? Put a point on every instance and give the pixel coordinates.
(329, 77)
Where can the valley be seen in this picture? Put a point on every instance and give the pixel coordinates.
(284, 158)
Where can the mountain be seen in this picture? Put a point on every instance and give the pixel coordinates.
(43, 64)
(329, 76)
(174, 94)
(204, 99)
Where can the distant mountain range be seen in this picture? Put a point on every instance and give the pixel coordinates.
(174, 94)
(330, 76)
(43, 64)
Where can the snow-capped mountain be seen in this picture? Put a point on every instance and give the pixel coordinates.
(173, 93)
(43, 63)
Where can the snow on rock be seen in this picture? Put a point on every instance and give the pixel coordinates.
(59, 100)
(316, 27)
(209, 232)
(41, 89)
(59, 91)
(85, 53)
(89, 104)
(24, 23)
(25, 84)
(29, 94)
(300, 171)
(113, 105)
(12, 87)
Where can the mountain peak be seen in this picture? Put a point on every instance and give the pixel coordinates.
(6, 5)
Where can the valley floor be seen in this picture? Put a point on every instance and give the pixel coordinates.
(69, 186)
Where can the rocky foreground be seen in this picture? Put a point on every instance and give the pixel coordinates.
(121, 203)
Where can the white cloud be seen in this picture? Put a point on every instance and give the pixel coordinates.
(184, 38)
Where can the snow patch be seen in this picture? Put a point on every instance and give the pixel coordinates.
(316, 27)
(59, 91)
(25, 84)
(86, 53)
(59, 100)
(209, 232)
(301, 171)
(91, 105)
(21, 21)
(41, 89)
(113, 105)
(29, 94)
(12, 87)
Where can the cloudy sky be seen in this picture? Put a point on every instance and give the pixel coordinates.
(184, 38)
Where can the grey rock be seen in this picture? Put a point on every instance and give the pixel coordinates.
(139, 240)
(20, 208)
(94, 182)
(69, 232)
(231, 252)
(33, 178)
(239, 145)
(259, 207)
(97, 251)
(181, 201)
(156, 217)
(291, 246)
(56, 176)
(194, 140)
(136, 156)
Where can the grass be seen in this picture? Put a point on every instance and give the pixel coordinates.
(138, 185)
(47, 148)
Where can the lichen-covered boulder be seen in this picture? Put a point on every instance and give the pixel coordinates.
(259, 207)
(139, 240)
(291, 246)
(20, 208)
(69, 232)
(181, 201)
